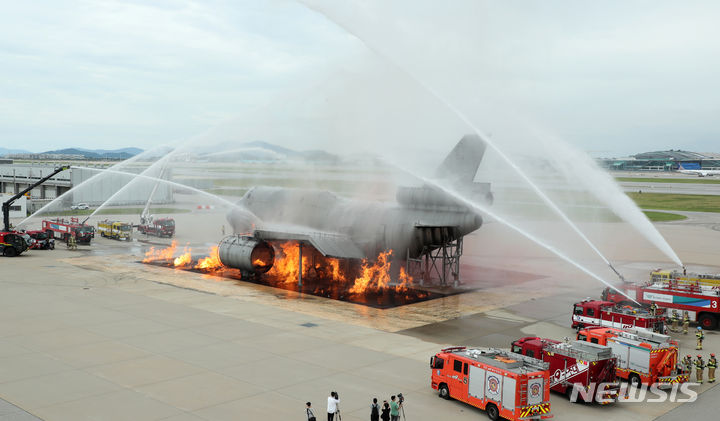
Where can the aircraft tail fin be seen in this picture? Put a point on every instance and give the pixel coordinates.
(461, 165)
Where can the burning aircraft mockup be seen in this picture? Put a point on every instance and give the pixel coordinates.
(422, 219)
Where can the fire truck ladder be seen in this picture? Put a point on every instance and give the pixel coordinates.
(6, 205)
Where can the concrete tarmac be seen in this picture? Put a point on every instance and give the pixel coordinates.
(93, 335)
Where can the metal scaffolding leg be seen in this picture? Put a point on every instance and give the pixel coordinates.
(441, 261)
(300, 266)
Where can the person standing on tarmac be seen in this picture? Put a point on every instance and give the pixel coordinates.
(686, 322)
(374, 411)
(700, 336)
(394, 409)
(687, 364)
(711, 365)
(699, 367)
(332, 408)
(309, 412)
(675, 320)
(385, 416)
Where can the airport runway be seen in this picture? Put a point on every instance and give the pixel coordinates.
(672, 188)
(91, 334)
(667, 187)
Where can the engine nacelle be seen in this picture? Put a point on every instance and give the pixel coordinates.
(246, 253)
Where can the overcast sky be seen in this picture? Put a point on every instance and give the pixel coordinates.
(611, 78)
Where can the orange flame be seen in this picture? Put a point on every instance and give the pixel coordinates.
(164, 254)
(210, 262)
(286, 262)
(184, 259)
(405, 280)
(376, 275)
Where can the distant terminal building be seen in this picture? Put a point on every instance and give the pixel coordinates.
(19, 208)
(663, 161)
(16, 177)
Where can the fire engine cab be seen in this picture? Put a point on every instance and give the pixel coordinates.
(503, 383)
(608, 313)
(573, 364)
(642, 356)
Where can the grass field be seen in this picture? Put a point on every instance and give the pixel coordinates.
(677, 202)
(698, 180)
(663, 216)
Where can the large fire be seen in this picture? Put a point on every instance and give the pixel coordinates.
(369, 276)
(354, 278)
(165, 254)
(184, 259)
(210, 262)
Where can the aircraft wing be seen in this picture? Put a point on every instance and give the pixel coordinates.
(329, 244)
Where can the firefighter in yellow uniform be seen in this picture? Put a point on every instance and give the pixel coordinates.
(711, 365)
(72, 242)
(700, 336)
(687, 364)
(699, 367)
(653, 309)
(675, 320)
(686, 322)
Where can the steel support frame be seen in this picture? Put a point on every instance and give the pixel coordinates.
(438, 261)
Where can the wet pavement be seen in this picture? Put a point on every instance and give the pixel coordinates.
(93, 335)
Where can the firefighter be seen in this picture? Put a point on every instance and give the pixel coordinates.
(699, 367)
(72, 242)
(675, 320)
(687, 364)
(711, 365)
(700, 336)
(686, 322)
(653, 308)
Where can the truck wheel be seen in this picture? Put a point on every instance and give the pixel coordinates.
(444, 391)
(634, 380)
(707, 321)
(492, 411)
(9, 252)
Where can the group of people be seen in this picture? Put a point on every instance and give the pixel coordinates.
(675, 321)
(388, 411)
(700, 365)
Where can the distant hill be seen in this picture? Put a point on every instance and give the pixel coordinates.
(264, 151)
(123, 153)
(4, 151)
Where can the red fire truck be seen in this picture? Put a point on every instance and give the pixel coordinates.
(503, 383)
(163, 227)
(642, 356)
(43, 240)
(13, 243)
(573, 364)
(608, 313)
(63, 229)
(702, 302)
